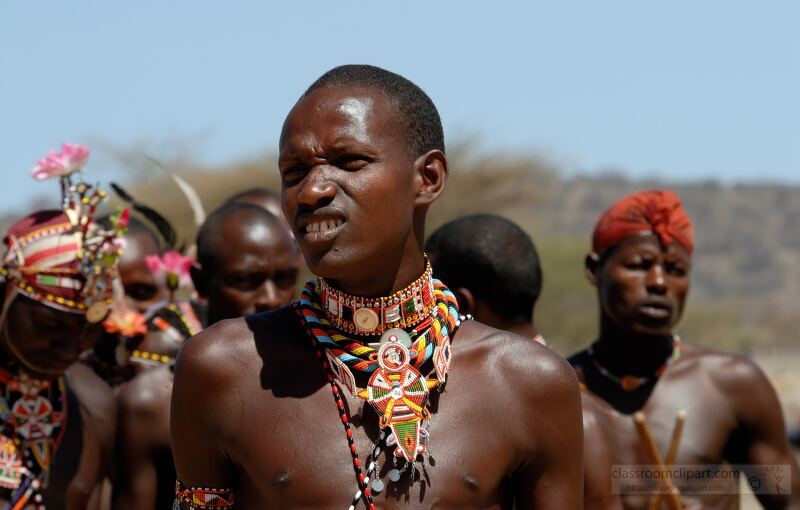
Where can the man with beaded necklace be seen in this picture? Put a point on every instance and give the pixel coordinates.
(56, 282)
(728, 411)
(371, 391)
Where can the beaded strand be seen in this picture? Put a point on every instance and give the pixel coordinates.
(361, 480)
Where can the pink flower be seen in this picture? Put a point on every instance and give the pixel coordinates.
(70, 159)
(173, 266)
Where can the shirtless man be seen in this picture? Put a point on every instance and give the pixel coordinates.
(57, 417)
(493, 268)
(640, 264)
(266, 198)
(141, 288)
(247, 263)
(108, 358)
(263, 414)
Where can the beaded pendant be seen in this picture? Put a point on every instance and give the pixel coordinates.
(399, 394)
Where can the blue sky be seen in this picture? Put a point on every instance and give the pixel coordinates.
(679, 89)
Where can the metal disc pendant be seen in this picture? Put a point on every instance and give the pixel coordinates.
(394, 475)
(96, 312)
(397, 335)
(377, 486)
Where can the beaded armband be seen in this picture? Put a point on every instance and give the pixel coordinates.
(202, 498)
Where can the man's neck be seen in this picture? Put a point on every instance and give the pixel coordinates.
(626, 352)
(385, 283)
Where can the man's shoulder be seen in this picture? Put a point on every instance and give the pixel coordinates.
(731, 372)
(519, 360)
(147, 393)
(92, 393)
(96, 400)
(225, 351)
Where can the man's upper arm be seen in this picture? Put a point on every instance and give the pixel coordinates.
(552, 474)
(201, 401)
(760, 438)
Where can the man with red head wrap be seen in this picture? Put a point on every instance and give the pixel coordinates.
(640, 264)
(57, 417)
(656, 212)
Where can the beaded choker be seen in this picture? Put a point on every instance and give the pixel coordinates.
(632, 382)
(397, 389)
(365, 316)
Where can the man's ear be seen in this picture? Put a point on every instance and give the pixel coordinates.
(592, 268)
(431, 176)
(466, 301)
(199, 279)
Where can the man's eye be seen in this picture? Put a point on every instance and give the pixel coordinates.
(352, 163)
(676, 270)
(285, 279)
(293, 174)
(638, 264)
(141, 292)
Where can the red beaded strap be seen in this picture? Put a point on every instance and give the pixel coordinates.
(202, 498)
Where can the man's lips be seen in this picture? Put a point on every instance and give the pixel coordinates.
(320, 225)
(656, 309)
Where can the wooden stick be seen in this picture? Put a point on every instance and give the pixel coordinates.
(673, 451)
(674, 500)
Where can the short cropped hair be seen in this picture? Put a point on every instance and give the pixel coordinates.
(419, 117)
(262, 193)
(207, 244)
(493, 258)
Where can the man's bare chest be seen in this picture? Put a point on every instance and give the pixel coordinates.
(706, 429)
(294, 452)
(703, 438)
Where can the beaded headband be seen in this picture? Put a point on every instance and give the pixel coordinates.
(64, 259)
(365, 316)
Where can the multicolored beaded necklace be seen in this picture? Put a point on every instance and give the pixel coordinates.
(632, 382)
(397, 389)
(34, 418)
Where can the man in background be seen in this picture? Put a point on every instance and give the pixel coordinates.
(640, 264)
(247, 262)
(493, 268)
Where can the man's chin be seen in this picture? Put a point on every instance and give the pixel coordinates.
(650, 329)
(331, 264)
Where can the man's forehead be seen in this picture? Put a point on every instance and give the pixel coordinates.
(239, 234)
(337, 116)
(649, 242)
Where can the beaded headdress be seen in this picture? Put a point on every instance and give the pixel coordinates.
(63, 258)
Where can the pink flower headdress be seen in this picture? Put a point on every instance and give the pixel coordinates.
(173, 268)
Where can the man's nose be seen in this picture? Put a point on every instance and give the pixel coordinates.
(656, 283)
(317, 190)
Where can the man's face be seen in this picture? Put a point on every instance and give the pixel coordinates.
(141, 288)
(643, 286)
(256, 269)
(347, 181)
(47, 341)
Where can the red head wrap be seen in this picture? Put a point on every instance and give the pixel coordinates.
(659, 212)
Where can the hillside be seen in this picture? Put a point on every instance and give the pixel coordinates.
(746, 278)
